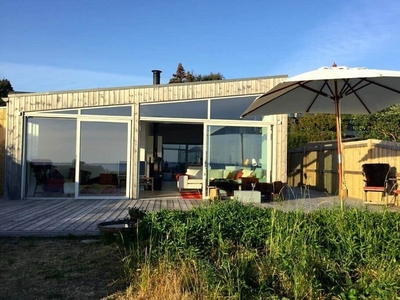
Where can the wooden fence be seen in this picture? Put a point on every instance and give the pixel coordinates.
(316, 164)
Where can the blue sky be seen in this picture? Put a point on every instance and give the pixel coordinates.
(48, 45)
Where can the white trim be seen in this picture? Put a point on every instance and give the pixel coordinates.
(172, 120)
(128, 161)
(78, 119)
(205, 162)
(77, 169)
(78, 158)
(202, 99)
(58, 113)
(241, 123)
(23, 164)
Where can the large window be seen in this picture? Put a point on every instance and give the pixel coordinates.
(188, 109)
(50, 154)
(52, 169)
(236, 105)
(103, 158)
(234, 150)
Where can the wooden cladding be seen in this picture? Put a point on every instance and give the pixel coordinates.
(145, 94)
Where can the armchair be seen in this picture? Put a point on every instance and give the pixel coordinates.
(192, 179)
(376, 180)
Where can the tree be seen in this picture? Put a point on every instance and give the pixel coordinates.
(382, 125)
(311, 128)
(5, 88)
(182, 76)
(179, 76)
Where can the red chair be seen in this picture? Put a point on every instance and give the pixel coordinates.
(376, 180)
(395, 194)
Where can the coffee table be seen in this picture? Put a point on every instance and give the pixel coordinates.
(228, 185)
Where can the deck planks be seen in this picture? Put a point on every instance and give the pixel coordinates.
(50, 217)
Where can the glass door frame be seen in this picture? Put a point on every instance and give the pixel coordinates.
(206, 143)
(79, 118)
(78, 156)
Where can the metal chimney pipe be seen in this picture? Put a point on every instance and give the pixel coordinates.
(156, 76)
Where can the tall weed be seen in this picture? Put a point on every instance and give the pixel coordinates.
(236, 251)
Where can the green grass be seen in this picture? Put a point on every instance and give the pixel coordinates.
(228, 250)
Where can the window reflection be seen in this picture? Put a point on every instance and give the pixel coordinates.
(236, 106)
(51, 150)
(123, 111)
(188, 109)
(103, 155)
(237, 152)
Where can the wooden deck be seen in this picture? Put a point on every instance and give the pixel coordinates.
(44, 217)
(49, 217)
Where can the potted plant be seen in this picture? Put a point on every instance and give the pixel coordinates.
(136, 214)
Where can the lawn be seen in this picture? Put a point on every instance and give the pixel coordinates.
(59, 268)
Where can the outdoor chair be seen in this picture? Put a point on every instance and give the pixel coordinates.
(305, 187)
(377, 179)
(393, 187)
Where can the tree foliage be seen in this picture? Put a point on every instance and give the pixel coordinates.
(5, 88)
(183, 76)
(382, 125)
(313, 127)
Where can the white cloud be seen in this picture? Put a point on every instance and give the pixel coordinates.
(39, 78)
(358, 34)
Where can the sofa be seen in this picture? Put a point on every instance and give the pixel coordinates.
(236, 173)
(191, 179)
(233, 178)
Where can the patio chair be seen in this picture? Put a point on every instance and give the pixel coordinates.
(376, 178)
(306, 187)
(393, 187)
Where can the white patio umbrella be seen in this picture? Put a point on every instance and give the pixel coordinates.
(333, 89)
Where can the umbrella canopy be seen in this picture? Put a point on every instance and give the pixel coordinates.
(331, 90)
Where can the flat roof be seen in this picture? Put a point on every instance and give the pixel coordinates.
(15, 94)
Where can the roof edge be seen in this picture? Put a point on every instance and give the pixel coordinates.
(140, 86)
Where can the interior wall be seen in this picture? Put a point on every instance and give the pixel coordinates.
(174, 133)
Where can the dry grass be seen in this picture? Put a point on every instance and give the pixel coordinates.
(56, 268)
(168, 281)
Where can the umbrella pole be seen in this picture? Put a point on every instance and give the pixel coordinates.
(339, 145)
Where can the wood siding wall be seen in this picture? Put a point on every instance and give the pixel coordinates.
(20, 103)
(3, 126)
(319, 162)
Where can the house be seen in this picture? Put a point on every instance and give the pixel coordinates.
(116, 142)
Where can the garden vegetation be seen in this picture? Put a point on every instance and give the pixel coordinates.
(228, 250)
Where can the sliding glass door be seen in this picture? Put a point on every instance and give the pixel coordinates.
(235, 152)
(103, 159)
(50, 156)
(76, 158)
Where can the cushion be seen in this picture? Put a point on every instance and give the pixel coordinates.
(258, 172)
(238, 174)
(230, 175)
(194, 172)
(226, 174)
(230, 168)
(216, 173)
(247, 172)
(234, 173)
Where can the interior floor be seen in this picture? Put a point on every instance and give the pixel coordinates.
(169, 189)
